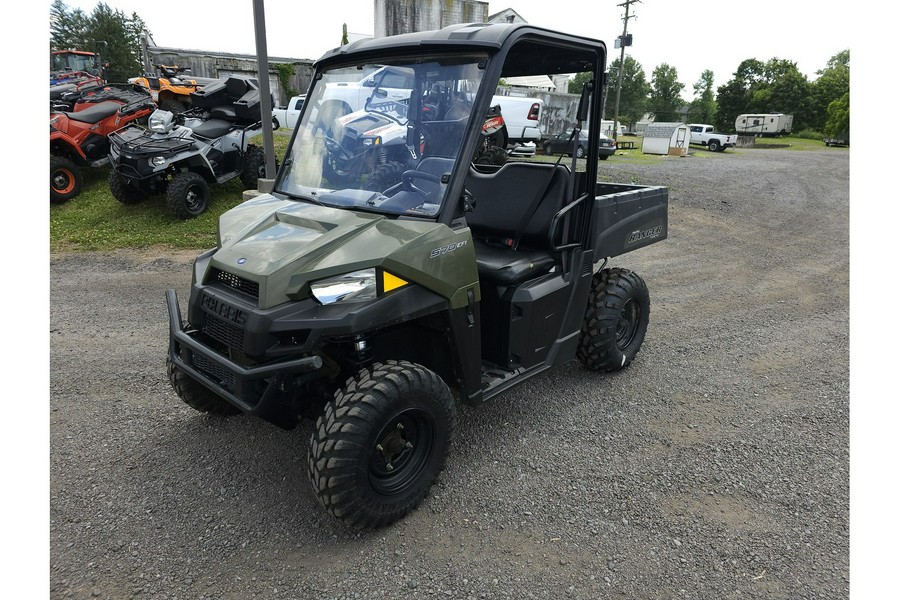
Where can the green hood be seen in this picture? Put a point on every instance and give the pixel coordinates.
(284, 245)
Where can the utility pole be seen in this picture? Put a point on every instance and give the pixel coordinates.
(265, 97)
(623, 41)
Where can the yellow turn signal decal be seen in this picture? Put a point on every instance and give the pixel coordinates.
(392, 282)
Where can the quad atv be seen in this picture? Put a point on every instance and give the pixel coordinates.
(79, 137)
(168, 90)
(363, 308)
(181, 154)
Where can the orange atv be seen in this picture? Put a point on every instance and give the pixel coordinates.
(78, 138)
(169, 91)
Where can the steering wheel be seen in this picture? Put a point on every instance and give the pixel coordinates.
(407, 181)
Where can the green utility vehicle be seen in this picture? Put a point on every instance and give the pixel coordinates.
(373, 304)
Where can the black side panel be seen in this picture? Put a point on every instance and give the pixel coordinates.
(628, 217)
(546, 315)
(536, 317)
(465, 335)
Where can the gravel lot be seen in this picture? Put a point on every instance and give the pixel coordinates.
(716, 466)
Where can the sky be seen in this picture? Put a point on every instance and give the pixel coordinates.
(690, 35)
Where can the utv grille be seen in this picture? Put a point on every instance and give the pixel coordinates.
(251, 288)
(222, 331)
(218, 374)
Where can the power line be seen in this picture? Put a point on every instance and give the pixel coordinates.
(623, 41)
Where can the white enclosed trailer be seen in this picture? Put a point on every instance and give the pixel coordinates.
(764, 124)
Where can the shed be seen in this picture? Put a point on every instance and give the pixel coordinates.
(667, 138)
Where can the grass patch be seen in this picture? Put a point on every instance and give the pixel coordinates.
(95, 221)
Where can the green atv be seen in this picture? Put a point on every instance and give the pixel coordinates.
(373, 304)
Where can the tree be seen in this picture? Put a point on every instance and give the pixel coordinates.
(833, 82)
(665, 93)
(786, 91)
(635, 89)
(703, 107)
(67, 27)
(577, 83)
(115, 36)
(776, 86)
(837, 124)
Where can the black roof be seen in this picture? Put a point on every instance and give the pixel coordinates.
(487, 36)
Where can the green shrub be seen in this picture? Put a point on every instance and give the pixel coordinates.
(808, 134)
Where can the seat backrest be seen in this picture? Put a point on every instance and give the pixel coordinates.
(504, 198)
(236, 87)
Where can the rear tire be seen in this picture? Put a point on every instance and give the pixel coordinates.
(714, 146)
(123, 192)
(380, 443)
(615, 321)
(188, 195)
(196, 395)
(66, 179)
(579, 152)
(254, 167)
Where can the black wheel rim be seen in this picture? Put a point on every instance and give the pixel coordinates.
(401, 451)
(195, 199)
(627, 326)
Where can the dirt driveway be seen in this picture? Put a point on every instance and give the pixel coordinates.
(715, 466)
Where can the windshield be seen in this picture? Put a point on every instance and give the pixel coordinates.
(383, 137)
(71, 61)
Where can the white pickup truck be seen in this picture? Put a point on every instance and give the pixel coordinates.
(522, 115)
(706, 135)
(286, 116)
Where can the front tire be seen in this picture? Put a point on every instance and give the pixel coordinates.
(123, 192)
(187, 195)
(579, 152)
(385, 176)
(196, 395)
(380, 443)
(66, 179)
(615, 321)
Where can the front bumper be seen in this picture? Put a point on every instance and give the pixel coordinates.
(256, 390)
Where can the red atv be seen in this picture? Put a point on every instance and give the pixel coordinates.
(79, 138)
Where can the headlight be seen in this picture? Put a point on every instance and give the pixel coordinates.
(161, 121)
(369, 141)
(158, 161)
(358, 286)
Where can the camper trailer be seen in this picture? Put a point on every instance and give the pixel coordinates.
(770, 124)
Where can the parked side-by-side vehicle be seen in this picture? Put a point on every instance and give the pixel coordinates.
(372, 305)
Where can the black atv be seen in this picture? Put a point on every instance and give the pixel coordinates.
(181, 154)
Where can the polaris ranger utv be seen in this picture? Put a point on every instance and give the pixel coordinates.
(363, 308)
